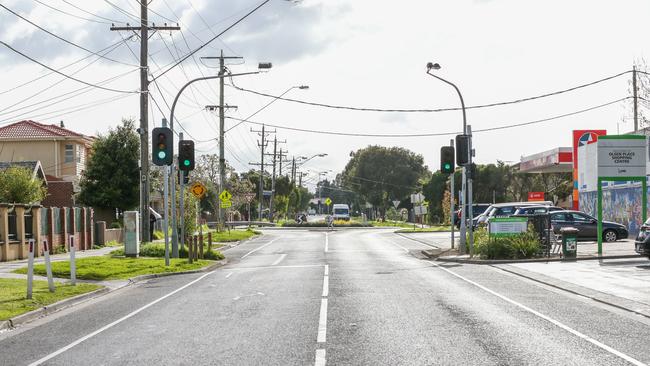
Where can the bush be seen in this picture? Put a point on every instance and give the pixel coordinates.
(520, 246)
(158, 250)
(158, 235)
(116, 225)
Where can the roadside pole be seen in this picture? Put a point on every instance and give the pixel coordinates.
(451, 210)
(30, 269)
(181, 198)
(48, 265)
(166, 205)
(469, 194)
(73, 265)
(462, 247)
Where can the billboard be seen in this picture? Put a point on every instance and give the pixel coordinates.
(581, 138)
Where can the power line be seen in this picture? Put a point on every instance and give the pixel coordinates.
(211, 39)
(62, 74)
(337, 133)
(368, 109)
(63, 39)
(93, 14)
(73, 15)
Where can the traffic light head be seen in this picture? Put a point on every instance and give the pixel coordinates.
(162, 141)
(447, 160)
(186, 155)
(462, 149)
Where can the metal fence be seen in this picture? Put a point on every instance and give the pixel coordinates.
(56, 220)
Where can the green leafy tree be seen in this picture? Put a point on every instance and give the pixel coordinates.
(17, 185)
(380, 174)
(111, 176)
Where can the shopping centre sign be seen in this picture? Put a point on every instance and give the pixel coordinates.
(622, 156)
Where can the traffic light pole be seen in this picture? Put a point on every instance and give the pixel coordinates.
(166, 204)
(181, 199)
(469, 194)
(451, 210)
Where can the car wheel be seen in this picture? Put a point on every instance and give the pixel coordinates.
(610, 236)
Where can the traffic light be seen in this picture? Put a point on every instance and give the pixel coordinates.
(186, 155)
(462, 149)
(471, 171)
(447, 160)
(162, 141)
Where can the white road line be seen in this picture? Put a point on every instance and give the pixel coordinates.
(326, 286)
(327, 270)
(322, 322)
(277, 261)
(229, 274)
(110, 325)
(327, 242)
(256, 249)
(274, 267)
(320, 358)
(550, 320)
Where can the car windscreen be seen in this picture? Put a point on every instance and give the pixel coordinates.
(504, 211)
(341, 211)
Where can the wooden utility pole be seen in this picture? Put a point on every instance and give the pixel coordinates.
(144, 112)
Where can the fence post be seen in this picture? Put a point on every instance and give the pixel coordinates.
(4, 232)
(19, 211)
(209, 241)
(30, 269)
(73, 265)
(201, 245)
(190, 255)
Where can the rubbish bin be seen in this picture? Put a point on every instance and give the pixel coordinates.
(569, 241)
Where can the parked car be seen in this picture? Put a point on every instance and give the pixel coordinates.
(535, 210)
(587, 226)
(504, 210)
(477, 209)
(642, 242)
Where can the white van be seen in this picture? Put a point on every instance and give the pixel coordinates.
(341, 212)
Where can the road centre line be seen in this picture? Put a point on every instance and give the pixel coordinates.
(118, 321)
(320, 358)
(326, 285)
(327, 242)
(547, 318)
(256, 249)
(282, 256)
(229, 274)
(322, 322)
(327, 270)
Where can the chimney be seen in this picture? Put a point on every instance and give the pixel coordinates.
(61, 124)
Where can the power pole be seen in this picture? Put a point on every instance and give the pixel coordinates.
(293, 170)
(262, 146)
(144, 112)
(275, 160)
(636, 100)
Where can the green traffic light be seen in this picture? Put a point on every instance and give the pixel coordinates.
(447, 166)
(161, 155)
(186, 162)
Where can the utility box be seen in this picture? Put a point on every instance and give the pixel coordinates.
(569, 242)
(131, 233)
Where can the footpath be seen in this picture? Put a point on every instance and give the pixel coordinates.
(620, 279)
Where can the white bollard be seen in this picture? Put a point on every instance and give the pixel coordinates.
(73, 267)
(48, 265)
(30, 269)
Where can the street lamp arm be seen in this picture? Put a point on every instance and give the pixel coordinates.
(462, 102)
(171, 116)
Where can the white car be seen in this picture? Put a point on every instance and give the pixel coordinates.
(341, 212)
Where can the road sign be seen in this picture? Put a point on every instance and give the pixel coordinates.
(226, 204)
(328, 201)
(198, 189)
(417, 198)
(420, 210)
(249, 197)
(507, 226)
(225, 196)
(395, 203)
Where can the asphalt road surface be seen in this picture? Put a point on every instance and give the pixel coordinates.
(349, 297)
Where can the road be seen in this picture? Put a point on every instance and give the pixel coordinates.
(349, 297)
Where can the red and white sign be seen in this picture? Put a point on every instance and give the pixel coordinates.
(535, 196)
(580, 138)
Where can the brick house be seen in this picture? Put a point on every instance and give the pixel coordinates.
(62, 154)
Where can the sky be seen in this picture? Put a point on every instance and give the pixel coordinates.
(361, 53)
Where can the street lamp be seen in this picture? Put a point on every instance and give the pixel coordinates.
(467, 183)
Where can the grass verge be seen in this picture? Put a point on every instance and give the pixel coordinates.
(115, 268)
(230, 236)
(13, 291)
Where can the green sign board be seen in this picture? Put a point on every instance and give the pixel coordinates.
(507, 226)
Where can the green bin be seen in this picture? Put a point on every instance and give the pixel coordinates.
(569, 241)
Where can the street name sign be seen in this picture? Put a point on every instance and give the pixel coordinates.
(198, 189)
(507, 226)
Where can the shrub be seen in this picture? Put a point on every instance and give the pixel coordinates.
(116, 225)
(520, 246)
(158, 235)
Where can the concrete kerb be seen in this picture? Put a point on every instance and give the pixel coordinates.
(72, 301)
(467, 260)
(611, 300)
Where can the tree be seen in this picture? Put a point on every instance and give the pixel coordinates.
(111, 176)
(380, 174)
(17, 185)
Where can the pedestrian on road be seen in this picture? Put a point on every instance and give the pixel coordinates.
(330, 221)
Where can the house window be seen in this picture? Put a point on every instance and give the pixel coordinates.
(69, 153)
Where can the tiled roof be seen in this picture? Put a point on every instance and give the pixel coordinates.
(32, 130)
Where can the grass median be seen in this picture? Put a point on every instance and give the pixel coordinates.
(13, 292)
(117, 268)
